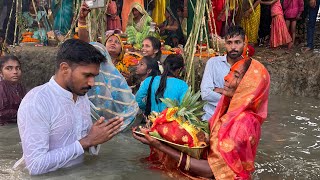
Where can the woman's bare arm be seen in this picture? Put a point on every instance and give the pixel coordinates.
(82, 25)
(199, 167)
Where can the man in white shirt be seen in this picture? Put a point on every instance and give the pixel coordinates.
(54, 119)
(218, 67)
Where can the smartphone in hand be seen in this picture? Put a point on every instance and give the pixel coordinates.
(95, 3)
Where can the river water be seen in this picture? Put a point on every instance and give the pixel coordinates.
(289, 149)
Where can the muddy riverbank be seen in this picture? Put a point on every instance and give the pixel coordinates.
(292, 73)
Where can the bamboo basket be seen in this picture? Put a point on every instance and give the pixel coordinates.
(195, 152)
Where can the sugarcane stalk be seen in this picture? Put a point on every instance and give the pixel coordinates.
(38, 21)
(16, 24)
(192, 6)
(9, 22)
(211, 14)
(196, 28)
(76, 15)
(201, 39)
(191, 46)
(206, 34)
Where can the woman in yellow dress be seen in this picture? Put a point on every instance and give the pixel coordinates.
(159, 11)
(251, 20)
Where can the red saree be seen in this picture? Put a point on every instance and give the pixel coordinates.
(235, 129)
(217, 6)
(237, 124)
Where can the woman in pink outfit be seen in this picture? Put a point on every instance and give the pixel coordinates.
(113, 19)
(292, 10)
(279, 31)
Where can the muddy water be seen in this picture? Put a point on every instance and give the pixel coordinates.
(289, 149)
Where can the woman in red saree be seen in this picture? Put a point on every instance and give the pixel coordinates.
(235, 128)
(217, 7)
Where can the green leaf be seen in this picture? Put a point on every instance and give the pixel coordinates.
(169, 103)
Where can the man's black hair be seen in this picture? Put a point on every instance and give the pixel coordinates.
(78, 52)
(235, 31)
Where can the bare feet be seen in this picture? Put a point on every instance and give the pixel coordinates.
(290, 45)
(306, 49)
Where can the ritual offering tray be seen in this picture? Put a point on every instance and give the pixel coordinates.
(195, 152)
(179, 125)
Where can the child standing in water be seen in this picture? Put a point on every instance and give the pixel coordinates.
(11, 90)
(292, 11)
(279, 31)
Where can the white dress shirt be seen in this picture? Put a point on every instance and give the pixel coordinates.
(213, 77)
(51, 124)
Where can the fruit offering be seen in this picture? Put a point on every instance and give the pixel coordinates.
(179, 124)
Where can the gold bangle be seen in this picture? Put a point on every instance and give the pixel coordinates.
(188, 163)
(181, 155)
(82, 27)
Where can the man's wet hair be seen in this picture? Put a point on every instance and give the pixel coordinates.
(235, 31)
(78, 52)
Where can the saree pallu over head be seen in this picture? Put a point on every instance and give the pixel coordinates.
(240, 119)
(111, 96)
(113, 33)
(145, 17)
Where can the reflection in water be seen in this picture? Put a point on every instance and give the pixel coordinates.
(289, 149)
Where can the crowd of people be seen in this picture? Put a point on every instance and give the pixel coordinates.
(55, 119)
(87, 79)
(273, 22)
(140, 18)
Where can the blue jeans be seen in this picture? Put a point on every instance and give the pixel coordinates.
(313, 12)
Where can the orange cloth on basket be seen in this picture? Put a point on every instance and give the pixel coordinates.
(238, 121)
